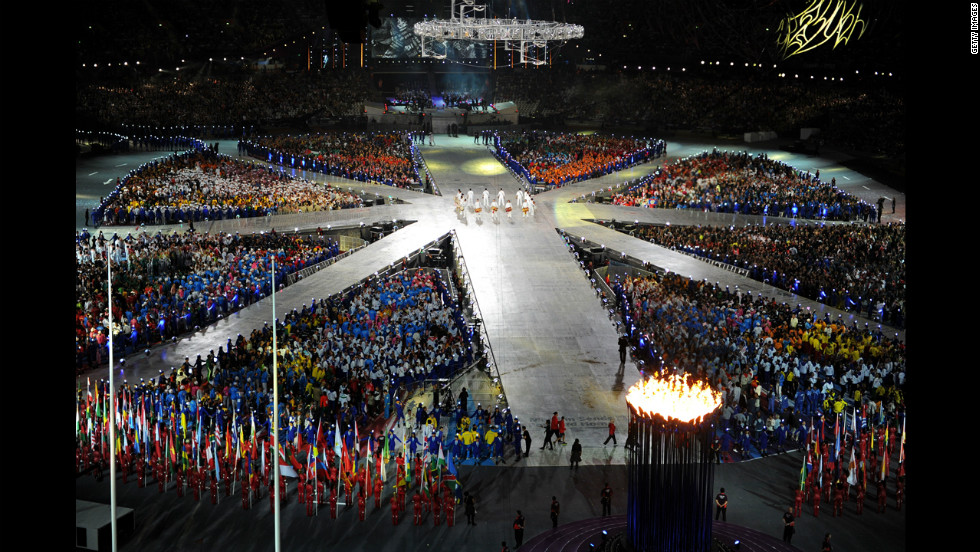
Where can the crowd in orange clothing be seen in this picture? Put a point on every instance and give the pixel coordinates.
(384, 157)
(557, 159)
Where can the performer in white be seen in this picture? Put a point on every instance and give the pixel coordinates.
(493, 211)
(519, 197)
(478, 209)
(500, 197)
(486, 198)
(529, 203)
(470, 194)
(509, 208)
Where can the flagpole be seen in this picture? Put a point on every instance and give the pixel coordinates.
(275, 404)
(112, 429)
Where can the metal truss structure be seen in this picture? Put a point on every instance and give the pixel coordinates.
(468, 21)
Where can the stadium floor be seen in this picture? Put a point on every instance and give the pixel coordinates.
(554, 345)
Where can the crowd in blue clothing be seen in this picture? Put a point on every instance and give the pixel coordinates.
(781, 369)
(467, 431)
(729, 182)
(166, 285)
(857, 268)
(342, 360)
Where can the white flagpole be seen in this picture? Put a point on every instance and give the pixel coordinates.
(275, 404)
(112, 424)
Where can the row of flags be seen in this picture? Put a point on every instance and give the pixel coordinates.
(855, 466)
(169, 437)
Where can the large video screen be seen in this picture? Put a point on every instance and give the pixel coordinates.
(396, 39)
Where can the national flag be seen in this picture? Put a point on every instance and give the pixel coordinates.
(451, 466)
(228, 443)
(852, 469)
(310, 464)
(384, 458)
(285, 467)
(819, 468)
(803, 470)
(240, 446)
(319, 438)
(146, 428)
(357, 448)
(864, 462)
(408, 471)
(197, 439)
(345, 461)
(854, 424)
(208, 457)
(901, 447)
(441, 459)
(156, 439)
(322, 469)
(367, 473)
(385, 451)
(217, 470)
(884, 457)
(138, 434)
(837, 429)
(337, 443)
(173, 451)
(264, 464)
(405, 442)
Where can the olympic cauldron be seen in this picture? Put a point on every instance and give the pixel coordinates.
(671, 476)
